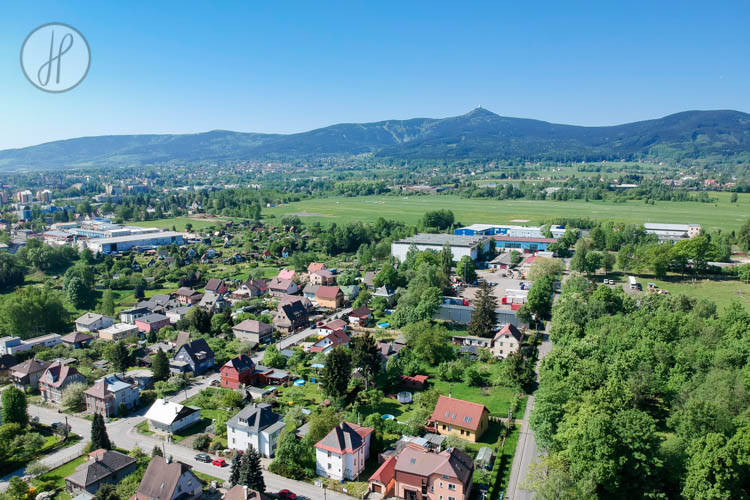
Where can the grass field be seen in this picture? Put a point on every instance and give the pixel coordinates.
(723, 215)
(178, 222)
(722, 293)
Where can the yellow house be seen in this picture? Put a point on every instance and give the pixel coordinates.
(456, 417)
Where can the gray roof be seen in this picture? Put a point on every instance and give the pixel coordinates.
(100, 468)
(161, 478)
(257, 418)
(343, 437)
(442, 239)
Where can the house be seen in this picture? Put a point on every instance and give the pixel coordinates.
(176, 315)
(416, 473)
(471, 340)
(360, 316)
(108, 393)
(322, 277)
(343, 452)
(169, 417)
(130, 315)
(240, 492)
(502, 261)
(182, 338)
(77, 340)
(315, 266)
(330, 297)
(350, 292)
(525, 265)
(279, 287)
(290, 317)
(369, 280)
(217, 286)
(385, 292)
(12, 345)
(160, 303)
(332, 326)
(118, 331)
(166, 479)
(143, 377)
(197, 356)
(270, 376)
(507, 341)
(456, 417)
(92, 322)
(415, 382)
(27, 374)
(389, 350)
(330, 341)
(251, 330)
(214, 303)
(151, 323)
(286, 274)
(253, 288)
(186, 295)
(309, 291)
(49, 340)
(55, 379)
(104, 467)
(7, 361)
(237, 371)
(255, 425)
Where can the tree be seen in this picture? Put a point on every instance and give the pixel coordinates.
(36, 468)
(251, 473)
(14, 407)
(18, 489)
(539, 301)
(160, 366)
(293, 457)
(388, 276)
(235, 470)
(138, 291)
(119, 356)
(366, 356)
(77, 292)
(107, 492)
(446, 259)
(273, 358)
(99, 437)
(11, 271)
(108, 303)
(337, 372)
(202, 442)
(438, 219)
(321, 424)
(466, 270)
(733, 198)
(200, 319)
(429, 342)
(33, 311)
(157, 451)
(543, 266)
(73, 397)
(483, 318)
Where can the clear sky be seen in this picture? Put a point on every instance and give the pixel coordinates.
(286, 66)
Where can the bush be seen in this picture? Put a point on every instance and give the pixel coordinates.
(148, 397)
(202, 442)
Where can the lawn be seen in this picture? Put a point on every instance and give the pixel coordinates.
(179, 223)
(507, 456)
(58, 475)
(722, 292)
(725, 215)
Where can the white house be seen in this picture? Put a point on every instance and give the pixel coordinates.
(92, 322)
(166, 416)
(343, 452)
(507, 341)
(460, 245)
(255, 425)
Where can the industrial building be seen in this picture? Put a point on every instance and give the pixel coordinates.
(521, 243)
(132, 241)
(460, 245)
(508, 230)
(672, 232)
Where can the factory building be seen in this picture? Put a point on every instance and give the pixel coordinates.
(460, 245)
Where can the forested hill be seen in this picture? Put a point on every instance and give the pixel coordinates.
(477, 134)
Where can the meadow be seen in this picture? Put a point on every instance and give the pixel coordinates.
(720, 215)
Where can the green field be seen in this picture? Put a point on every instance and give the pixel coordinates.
(723, 215)
(722, 293)
(178, 222)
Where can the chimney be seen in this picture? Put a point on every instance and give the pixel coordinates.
(168, 459)
(245, 490)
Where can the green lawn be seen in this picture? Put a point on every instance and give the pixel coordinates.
(409, 209)
(178, 222)
(59, 474)
(507, 456)
(721, 292)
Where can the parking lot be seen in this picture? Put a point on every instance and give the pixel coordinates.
(501, 281)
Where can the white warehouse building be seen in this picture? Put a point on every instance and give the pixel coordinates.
(127, 243)
(672, 232)
(460, 245)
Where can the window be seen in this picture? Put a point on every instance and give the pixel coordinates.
(329, 465)
(329, 454)
(451, 487)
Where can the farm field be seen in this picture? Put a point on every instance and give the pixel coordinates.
(721, 215)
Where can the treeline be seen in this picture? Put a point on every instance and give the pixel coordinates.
(647, 399)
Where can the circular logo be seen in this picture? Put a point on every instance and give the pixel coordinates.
(55, 57)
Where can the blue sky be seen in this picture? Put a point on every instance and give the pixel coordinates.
(173, 67)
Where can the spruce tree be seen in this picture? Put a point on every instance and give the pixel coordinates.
(14, 407)
(99, 437)
(236, 470)
(160, 366)
(156, 452)
(253, 473)
(108, 303)
(483, 318)
(366, 356)
(446, 259)
(337, 372)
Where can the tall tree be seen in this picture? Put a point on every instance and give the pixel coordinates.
(366, 356)
(107, 492)
(15, 407)
(337, 372)
(484, 318)
(99, 436)
(160, 366)
(108, 303)
(251, 473)
(446, 259)
(119, 356)
(236, 469)
(466, 270)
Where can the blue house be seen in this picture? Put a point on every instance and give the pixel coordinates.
(196, 357)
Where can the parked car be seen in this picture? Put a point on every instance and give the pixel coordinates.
(219, 462)
(287, 494)
(203, 457)
(215, 383)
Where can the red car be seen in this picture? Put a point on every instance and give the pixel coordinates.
(287, 494)
(219, 462)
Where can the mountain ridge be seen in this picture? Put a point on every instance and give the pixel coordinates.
(479, 133)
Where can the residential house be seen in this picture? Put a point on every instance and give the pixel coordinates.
(176, 315)
(502, 261)
(306, 303)
(350, 292)
(151, 323)
(332, 326)
(217, 286)
(214, 303)
(166, 479)
(369, 280)
(342, 453)
(270, 376)
(279, 287)
(130, 315)
(313, 267)
(183, 337)
(143, 377)
(238, 371)
(27, 374)
(7, 361)
(309, 291)
(414, 382)
(322, 277)
(389, 350)
(290, 317)
(330, 341)
(118, 331)
(160, 303)
(253, 288)
(456, 417)
(254, 331)
(197, 355)
(55, 379)
(12, 345)
(255, 425)
(103, 467)
(108, 393)
(360, 316)
(240, 492)
(77, 340)
(507, 341)
(385, 292)
(286, 274)
(418, 474)
(330, 297)
(166, 416)
(92, 322)
(188, 296)
(470, 340)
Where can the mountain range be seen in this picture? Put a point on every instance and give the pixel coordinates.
(477, 134)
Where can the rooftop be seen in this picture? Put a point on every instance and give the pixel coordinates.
(442, 239)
